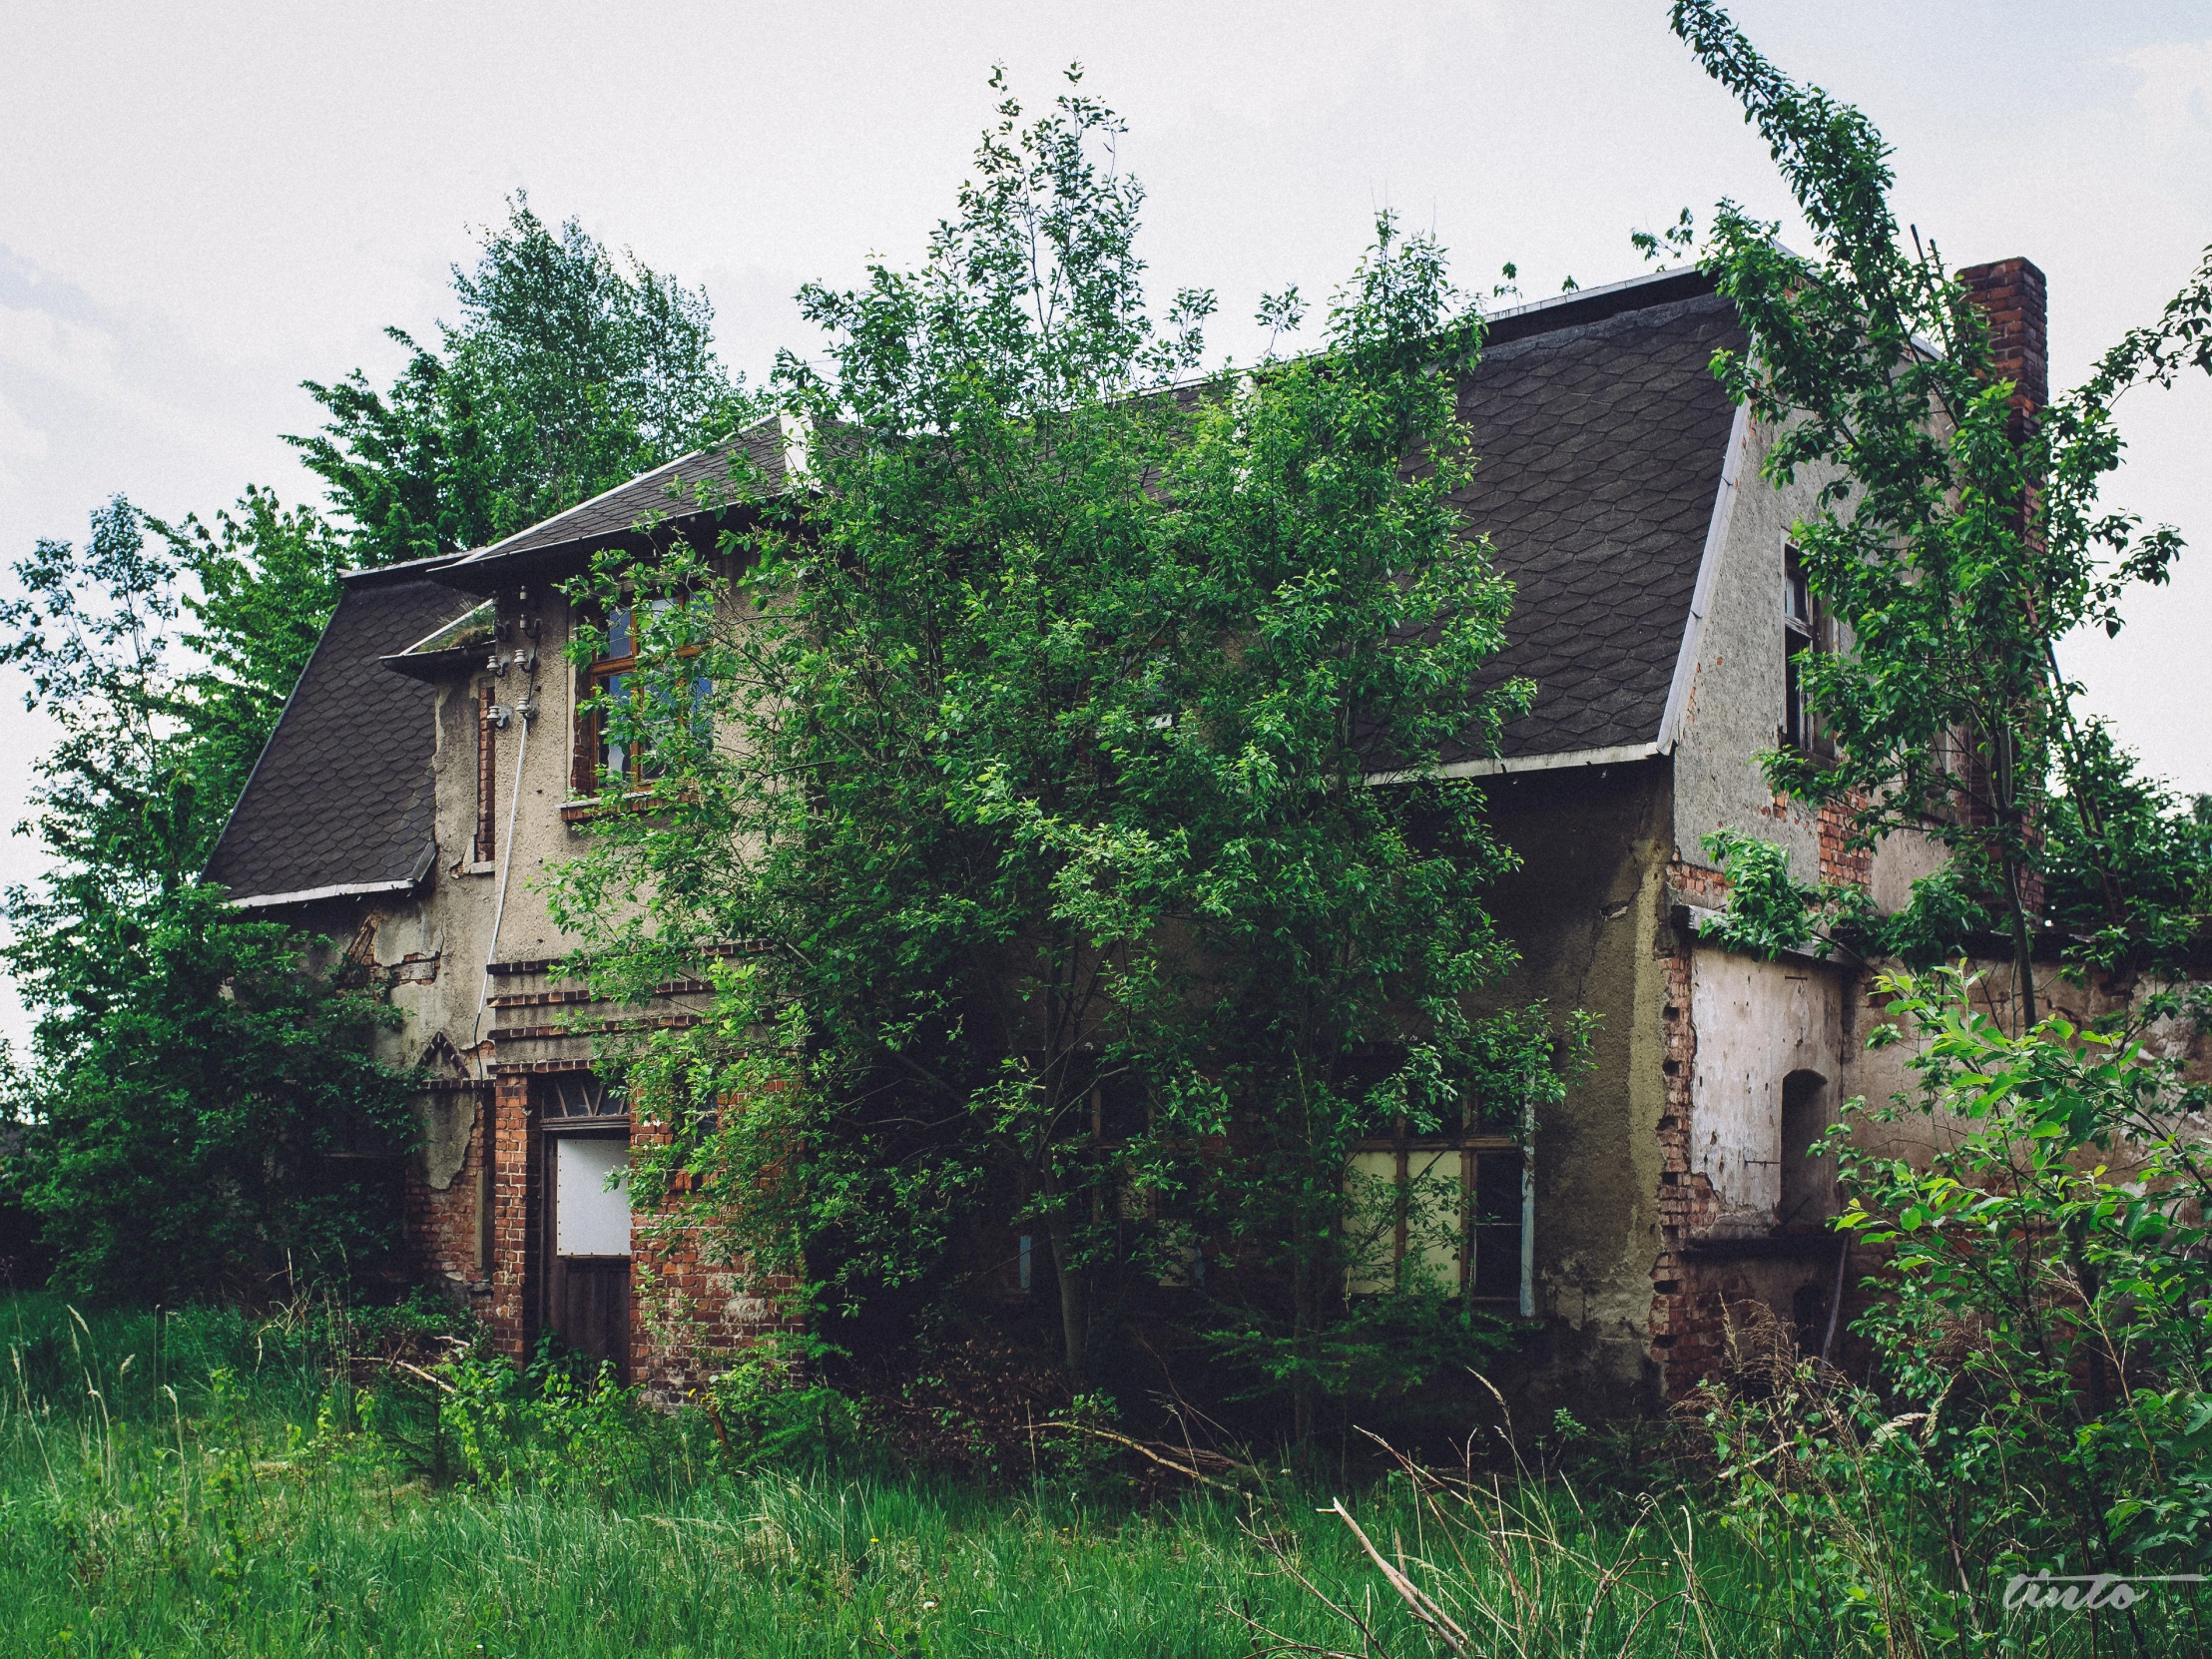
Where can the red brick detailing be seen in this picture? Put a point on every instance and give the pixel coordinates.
(486, 847)
(1688, 1318)
(515, 1241)
(1843, 865)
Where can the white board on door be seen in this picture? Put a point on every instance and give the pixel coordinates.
(589, 1218)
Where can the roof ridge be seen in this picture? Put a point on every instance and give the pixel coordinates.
(492, 550)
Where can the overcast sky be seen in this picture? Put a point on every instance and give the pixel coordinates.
(200, 205)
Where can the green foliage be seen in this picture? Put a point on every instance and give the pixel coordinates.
(1956, 541)
(559, 1427)
(1769, 912)
(1031, 760)
(189, 1077)
(263, 580)
(2041, 1406)
(769, 1413)
(566, 375)
(2047, 1275)
(147, 1506)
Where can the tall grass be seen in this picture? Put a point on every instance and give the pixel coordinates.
(233, 1487)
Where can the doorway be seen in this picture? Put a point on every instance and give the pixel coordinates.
(587, 1281)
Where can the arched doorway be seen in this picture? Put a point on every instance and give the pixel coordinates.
(1808, 1183)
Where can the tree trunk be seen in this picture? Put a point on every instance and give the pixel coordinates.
(1074, 1313)
(2024, 947)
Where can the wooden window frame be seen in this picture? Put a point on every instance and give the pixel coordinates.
(1806, 631)
(588, 767)
(1472, 1149)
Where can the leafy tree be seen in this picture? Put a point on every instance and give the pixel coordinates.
(1958, 537)
(567, 373)
(189, 1074)
(2040, 1303)
(1034, 772)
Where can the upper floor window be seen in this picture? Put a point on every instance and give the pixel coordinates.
(1804, 633)
(607, 748)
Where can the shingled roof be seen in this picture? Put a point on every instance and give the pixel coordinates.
(687, 487)
(1600, 443)
(1601, 436)
(339, 801)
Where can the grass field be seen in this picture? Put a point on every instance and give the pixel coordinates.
(227, 1490)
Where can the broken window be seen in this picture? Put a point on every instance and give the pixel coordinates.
(580, 1096)
(1804, 633)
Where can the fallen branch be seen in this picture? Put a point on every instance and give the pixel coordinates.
(416, 1370)
(1424, 1609)
(1143, 1450)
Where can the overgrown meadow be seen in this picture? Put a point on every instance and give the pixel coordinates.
(202, 1481)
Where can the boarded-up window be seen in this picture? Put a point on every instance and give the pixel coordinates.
(589, 1218)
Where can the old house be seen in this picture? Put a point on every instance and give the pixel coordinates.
(431, 766)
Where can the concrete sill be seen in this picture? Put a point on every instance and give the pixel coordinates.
(583, 812)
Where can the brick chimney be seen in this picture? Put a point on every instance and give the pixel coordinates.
(2010, 294)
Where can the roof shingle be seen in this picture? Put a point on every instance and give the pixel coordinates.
(341, 795)
(1600, 450)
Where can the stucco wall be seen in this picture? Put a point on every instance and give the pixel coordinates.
(1757, 1023)
(1731, 708)
(1731, 703)
(1585, 910)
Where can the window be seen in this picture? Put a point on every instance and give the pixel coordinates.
(1803, 633)
(580, 1097)
(1462, 1215)
(601, 751)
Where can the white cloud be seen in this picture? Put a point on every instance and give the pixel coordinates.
(2176, 94)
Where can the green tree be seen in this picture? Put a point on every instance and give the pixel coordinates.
(1958, 538)
(2039, 1312)
(567, 373)
(187, 1076)
(1035, 768)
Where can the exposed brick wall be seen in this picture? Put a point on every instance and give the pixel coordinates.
(515, 1239)
(1687, 1317)
(1695, 884)
(443, 1228)
(2013, 298)
(687, 1312)
(691, 1311)
(1841, 864)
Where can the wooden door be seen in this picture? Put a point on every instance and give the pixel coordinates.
(588, 1277)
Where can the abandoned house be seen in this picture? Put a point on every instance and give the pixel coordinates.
(431, 766)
